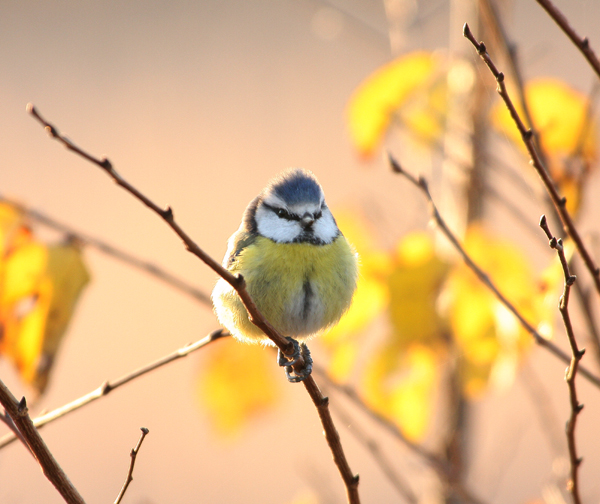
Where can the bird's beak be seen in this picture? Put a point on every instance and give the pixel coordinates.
(307, 221)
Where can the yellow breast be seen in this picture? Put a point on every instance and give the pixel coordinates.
(300, 288)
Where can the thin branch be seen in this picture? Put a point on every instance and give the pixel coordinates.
(585, 300)
(439, 465)
(18, 412)
(558, 201)
(583, 44)
(333, 439)
(112, 251)
(7, 420)
(133, 455)
(421, 183)
(492, 16)
(576, 355)
(109, 386)
(238, 283)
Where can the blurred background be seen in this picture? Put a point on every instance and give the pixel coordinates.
(199, 104)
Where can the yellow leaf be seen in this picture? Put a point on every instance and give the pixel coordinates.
(39, 289)
(559, 114)
(401, 386)
(372, 105)
(490, 338)
(236, 384)
(414, 286)
(67, 275)
(23, 306)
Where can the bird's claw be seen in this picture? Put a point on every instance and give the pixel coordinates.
(300, 351)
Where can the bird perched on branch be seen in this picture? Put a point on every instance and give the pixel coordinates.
(299, 269)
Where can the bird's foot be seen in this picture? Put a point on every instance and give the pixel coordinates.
(300, 351)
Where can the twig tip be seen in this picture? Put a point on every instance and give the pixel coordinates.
(396, 168)
(22, 406)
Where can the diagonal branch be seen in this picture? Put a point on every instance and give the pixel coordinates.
(236, 281)
(576, 355)
(401, 485)
(558, 201)
(421, 183)
(438, 465)
(112, 251)
(239, 284)
(583, 44)
(109, 386)
(18, 412)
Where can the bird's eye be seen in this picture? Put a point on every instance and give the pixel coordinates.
(318, 215)
(283, 214)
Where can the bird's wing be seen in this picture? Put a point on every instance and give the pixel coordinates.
(238, 242)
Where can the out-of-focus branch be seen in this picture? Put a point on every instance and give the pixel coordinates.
(576, 355)
(583, 44)
(421, 183)
(239, 284)
(437, 463)
(373, 447)
(18, 412)
(109, 386)
(558, 201)
(133, 456)
(112, 251)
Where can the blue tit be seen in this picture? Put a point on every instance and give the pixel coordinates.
(299, 269)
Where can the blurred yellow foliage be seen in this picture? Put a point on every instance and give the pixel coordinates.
(39, 288)
(235, 384)
(569, 139)
(401, 385)
(369, 300)
(400, 378)
(411, 88)
(436, 309)
(490, 338)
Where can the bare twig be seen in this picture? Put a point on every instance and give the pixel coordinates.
(239, 284)
(490, 13)
(583, 44)
(585, 300)
(333, 439)
(236, 281)
(558, 201)
(18, 412)
(421, 183)
(437, 463)
(133, 455)
(112, 251)
(576, 355)
(109, 386)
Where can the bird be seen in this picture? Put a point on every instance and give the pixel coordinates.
(299, 269)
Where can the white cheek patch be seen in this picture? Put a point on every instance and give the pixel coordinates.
(325, 228)
(275, 228)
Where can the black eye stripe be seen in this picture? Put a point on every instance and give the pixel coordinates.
(284, 214)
